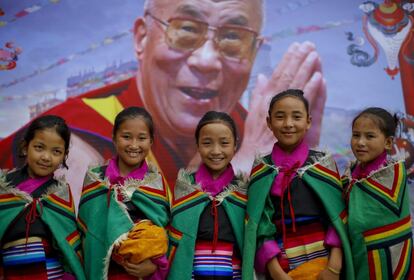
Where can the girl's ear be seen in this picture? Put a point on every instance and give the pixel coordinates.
(388, 143)
(309, 122)
(269, 125)
(23, 149)
(64, 160)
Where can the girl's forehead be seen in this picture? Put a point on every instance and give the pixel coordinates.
(289, 102)
(367, 123)
(46, 132)
(133, 122)
(48, 136)
(367, 119)
(216, 127)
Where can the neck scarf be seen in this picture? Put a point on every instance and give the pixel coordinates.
(113, 174)
(31, 184)
(288, 163)
(211, 185)
(363, 171)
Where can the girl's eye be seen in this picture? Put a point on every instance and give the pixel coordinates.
(57, 152)
(38, 148)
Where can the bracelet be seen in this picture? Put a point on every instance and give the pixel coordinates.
(333, 270)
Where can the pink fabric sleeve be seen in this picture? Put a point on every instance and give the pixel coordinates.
(332, 238)
(162, 269)
(266, 252)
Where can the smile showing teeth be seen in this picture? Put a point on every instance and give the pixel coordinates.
(133, 154)
(216, 159)
(199, 93)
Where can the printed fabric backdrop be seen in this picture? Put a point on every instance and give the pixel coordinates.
(52, 50)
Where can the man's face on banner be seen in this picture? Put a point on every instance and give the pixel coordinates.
(189, 67)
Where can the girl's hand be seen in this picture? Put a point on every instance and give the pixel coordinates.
(275, 270)
(140, 270)
(326, 274)
(332, 271)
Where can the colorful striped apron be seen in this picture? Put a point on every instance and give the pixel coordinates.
(220, 264)
(306, 244)
(31, 260)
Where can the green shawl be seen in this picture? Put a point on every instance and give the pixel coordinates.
(56, 209)
(321, 176)
(188, 203)
(379, 223)
(105, 221)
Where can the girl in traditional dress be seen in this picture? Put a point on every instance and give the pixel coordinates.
(378, 204)
(38, 230)
(294, 228)
(208, 207)
(124, 207)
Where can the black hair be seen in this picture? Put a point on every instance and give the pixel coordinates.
(386, 122)
(47, 122)
(132, 113)
(296, 93)
(216, 117)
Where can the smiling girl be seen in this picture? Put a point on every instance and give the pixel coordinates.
(124, 207)
(38, 230)
(208, 207)
(294, 230)
(378, 202)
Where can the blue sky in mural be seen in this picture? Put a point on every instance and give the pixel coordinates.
(71, 37)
